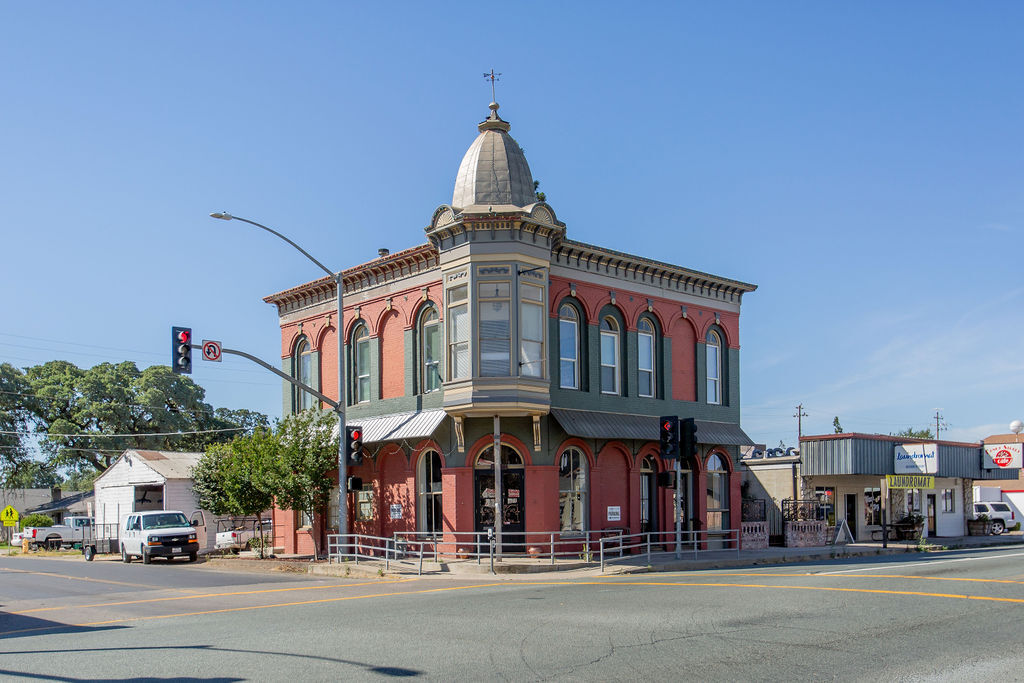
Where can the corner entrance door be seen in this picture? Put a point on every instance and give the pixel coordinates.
(851, 513)
(931, 514)
(513, 519)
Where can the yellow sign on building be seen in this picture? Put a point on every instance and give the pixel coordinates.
(9, 516)
(909, 481)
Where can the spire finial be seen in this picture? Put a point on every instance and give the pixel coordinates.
(492, 77)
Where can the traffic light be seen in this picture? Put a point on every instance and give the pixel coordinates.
(354, 444)
(181, 350)
(689, 438)
(355, 484)
(667, 480)
(669, 436)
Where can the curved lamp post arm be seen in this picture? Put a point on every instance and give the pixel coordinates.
(225, 216)
(339, 405)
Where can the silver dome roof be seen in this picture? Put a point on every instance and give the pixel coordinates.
(494, 171)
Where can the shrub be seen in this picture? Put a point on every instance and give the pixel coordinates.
(36, 519)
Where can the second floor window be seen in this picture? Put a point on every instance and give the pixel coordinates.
(361, 364)
(531, 331)
(609, 356)
(568, 347)
(430, 349)
(458, 332)
(495, 329)
(645, 358)
(304, 373)
(714, 363)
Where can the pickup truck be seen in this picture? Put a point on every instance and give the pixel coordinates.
(235, 533)
(58, 536)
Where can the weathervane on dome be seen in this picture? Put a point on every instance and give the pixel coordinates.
(492, 77)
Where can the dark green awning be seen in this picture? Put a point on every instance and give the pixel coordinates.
(593, 424)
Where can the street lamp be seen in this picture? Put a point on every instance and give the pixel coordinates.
(339, 406)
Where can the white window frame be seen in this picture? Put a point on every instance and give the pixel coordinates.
(457, 299)
(361, 375)
(645, 336)
(615, 336)
(485, 299)
(571, 320)
(535, 304)
(430, 369)
(713, 344)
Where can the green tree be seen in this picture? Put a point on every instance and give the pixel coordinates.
(32, 474)
(307, 450)
(36, 519)
(15, 399)
(836, 426)
(237, 478)
(88, 417)
(912, 433)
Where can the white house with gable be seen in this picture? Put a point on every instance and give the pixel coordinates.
(151, 480)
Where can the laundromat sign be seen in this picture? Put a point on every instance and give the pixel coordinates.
(1003, 456)
(916, 458)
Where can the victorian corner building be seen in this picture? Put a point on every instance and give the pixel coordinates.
(501, 324)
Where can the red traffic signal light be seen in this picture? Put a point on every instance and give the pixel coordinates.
(354, 444)
(181, 350)
(669, 437)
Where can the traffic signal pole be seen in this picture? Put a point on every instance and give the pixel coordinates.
(339, 405)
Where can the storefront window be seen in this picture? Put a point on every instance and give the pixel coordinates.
(947, 501)
(826, 496)
(428, 482)
(873, 506)
(572, 490)
(718, 494)
(364, 503)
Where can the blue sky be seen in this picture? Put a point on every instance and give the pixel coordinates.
(859, 162)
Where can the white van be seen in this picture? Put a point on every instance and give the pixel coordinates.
(158, 533)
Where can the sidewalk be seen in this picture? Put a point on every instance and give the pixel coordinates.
(527, 568)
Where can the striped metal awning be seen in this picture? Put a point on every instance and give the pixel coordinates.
(400, 426)
(593, 424)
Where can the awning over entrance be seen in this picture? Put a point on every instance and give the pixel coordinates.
(593, 424)
(407, 426)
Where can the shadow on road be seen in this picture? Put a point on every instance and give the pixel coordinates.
(393, 671)
(18, 625)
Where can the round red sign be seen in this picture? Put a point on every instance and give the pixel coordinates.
(1002, 457)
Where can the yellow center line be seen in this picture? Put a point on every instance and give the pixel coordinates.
(950, 596)
(210, 595)
(865, 576)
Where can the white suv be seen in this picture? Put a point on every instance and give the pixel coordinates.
(158, 533)
(1000, 514)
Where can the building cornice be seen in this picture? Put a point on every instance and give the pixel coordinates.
(590, 258)
(380, 271)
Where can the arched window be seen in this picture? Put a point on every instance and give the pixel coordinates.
(648, 488)
(568, 347)
(609, 356)
(645, 358)
(714, 365)
(303, 363)
(572, 490)
(428, 488)
(360, 364)
(430, 351)
(718, 493)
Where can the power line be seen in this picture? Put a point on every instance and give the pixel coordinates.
(103, 436)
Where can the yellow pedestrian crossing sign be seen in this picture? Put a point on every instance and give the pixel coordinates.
(9, 515)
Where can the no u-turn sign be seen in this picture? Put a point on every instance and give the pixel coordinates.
(211, 350)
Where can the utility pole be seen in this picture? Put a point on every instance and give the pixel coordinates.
(939, 422)
(799, 415)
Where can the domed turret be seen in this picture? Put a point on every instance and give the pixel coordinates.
(494, 171)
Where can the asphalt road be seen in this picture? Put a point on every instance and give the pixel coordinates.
(943, 616)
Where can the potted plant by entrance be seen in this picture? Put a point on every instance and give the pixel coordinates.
(979, 526)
